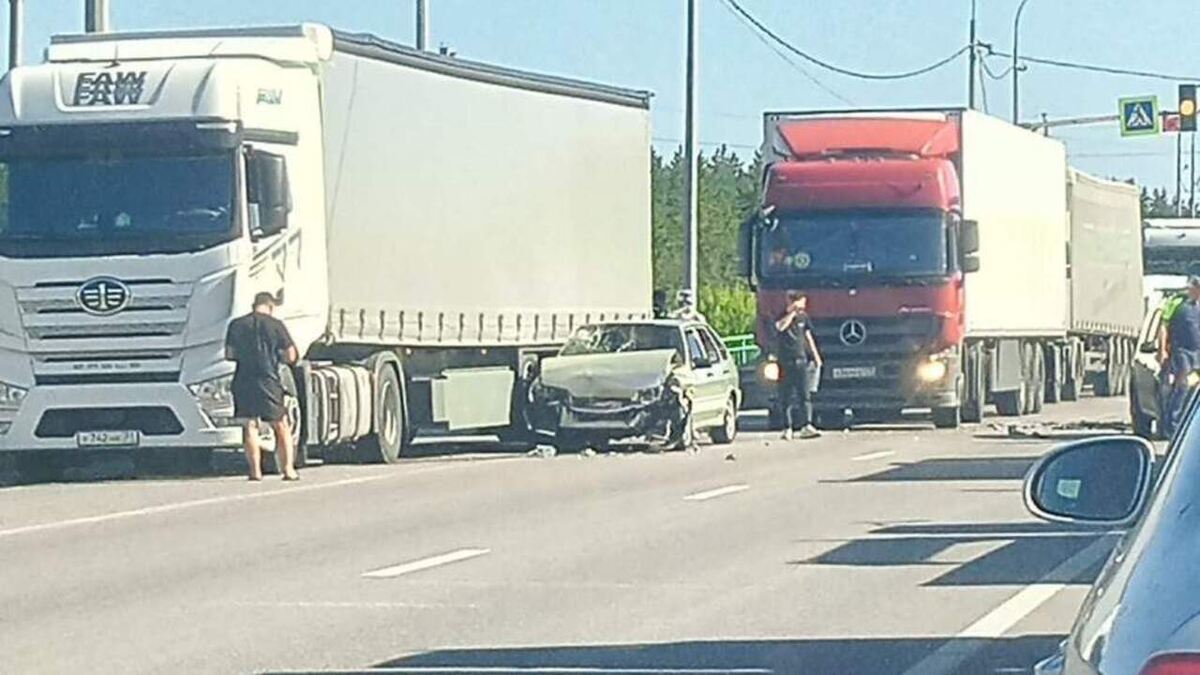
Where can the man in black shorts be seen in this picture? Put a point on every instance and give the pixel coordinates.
(795, 348)
(260, 344)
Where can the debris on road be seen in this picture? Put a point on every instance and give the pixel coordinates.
(543, 452)
(1053, 430)
(587, 452)
(731, 457)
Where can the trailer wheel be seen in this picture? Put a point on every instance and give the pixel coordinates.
(1072, 373)
(387, 442)
(1037, 383)
(947, 418)
(976, 386)
(1054, 374)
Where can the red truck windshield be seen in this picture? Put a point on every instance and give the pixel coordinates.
(855, 243)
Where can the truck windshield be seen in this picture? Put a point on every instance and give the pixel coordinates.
(854, 243)
(75, 206)
(613, 338)
(1171, 260)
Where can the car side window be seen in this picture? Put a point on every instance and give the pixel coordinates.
(713, 345)
(695, 345)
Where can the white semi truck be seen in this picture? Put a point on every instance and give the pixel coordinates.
(433, 226)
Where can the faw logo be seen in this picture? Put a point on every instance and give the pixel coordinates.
(109, 88)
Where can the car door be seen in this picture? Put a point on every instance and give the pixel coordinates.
(1145, 389)
(726, 370)
(705, 383)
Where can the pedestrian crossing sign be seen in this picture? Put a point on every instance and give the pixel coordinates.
(1139, 116)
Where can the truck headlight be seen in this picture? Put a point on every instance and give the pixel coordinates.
(11, 396)
(215, 396)
(932, 370)
(770, 371)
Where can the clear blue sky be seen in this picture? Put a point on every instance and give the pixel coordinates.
(639, 43)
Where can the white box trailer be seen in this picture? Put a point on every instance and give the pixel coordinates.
(1105, 277)
(1014, 186)
(434, 225)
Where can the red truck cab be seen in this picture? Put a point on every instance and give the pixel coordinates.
(862, 215)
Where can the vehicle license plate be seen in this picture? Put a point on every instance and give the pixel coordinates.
(853, 372)
(107, 439)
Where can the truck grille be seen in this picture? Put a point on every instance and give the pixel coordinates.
(50, 313)
(889, 345)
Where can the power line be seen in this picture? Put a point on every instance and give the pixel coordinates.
(733, 5)
(1075, 65)
(988, 69)
(788, 59)
(711, 144)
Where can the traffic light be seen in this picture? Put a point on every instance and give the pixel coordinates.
(1187, 107)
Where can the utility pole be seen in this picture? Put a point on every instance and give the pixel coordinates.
(16, 28)
(422, 24)
(1016, 65)
(971, 57)
(1192, 199)
(691, 179)
(1178, 174)
(95, 16)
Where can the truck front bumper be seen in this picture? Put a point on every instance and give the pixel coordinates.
(131, 415)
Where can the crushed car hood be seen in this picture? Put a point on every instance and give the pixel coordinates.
(619, 375)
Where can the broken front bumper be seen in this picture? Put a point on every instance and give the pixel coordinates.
(609, 419)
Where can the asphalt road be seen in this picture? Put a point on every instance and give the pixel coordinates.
(892, 550)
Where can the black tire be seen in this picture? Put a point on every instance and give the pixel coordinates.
(724, 434)
(686, 436)
(1072, 373)
(947, 418)
(386, 445)
(41, 466)
(976, 386)
(1143, 424)
(1011, 403)
(1053, 388)
(569, 443)
(1108, 382)
(295, 415)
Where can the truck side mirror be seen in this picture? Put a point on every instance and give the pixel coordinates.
(746, 247)
(267, 187)
(970, 264)
(968, 236)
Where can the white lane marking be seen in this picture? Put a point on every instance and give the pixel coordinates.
(719, 492)
(305, 604)
(873, 455)
(951, 656)
(549, 670)
(426, 563)
(208, 501)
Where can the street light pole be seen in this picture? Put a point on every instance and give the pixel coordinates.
(691, 178)
(16, 28)
(1016, 65)
(971, 56)
(422, 24)
(95, 16)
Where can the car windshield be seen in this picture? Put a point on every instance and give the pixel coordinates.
(613, 338)
(856, 243)
(112, 206)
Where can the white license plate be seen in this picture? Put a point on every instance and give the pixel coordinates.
(107, 439)
(853, 373)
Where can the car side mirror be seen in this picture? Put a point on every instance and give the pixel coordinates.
(968, 236)
(267, 187)
(970, 264)
(1099, 481)
(746, 246)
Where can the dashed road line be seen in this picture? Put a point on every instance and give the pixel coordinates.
(718, 492)
(426, 563)
(873, 455)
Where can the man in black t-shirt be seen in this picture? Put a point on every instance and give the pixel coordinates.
(794, 348)
(260, 345)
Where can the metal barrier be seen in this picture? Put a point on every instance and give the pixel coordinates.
(742, 348)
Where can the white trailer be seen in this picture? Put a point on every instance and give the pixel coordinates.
(434, 226)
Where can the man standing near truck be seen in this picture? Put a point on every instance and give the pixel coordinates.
(260, 344)
(795, 348)
(1183, 335)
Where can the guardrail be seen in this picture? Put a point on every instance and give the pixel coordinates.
(742, 348)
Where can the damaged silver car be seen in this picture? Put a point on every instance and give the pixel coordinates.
(659, 382)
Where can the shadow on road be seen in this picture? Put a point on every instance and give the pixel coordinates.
(1017, 553)
(954, 468)
(783, 657)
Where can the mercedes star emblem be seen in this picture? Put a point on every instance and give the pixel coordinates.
(853, 333)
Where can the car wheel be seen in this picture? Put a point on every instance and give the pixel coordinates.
(1143, 424)
(725, 433)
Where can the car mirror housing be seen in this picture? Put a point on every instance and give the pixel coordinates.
(1102, 481)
